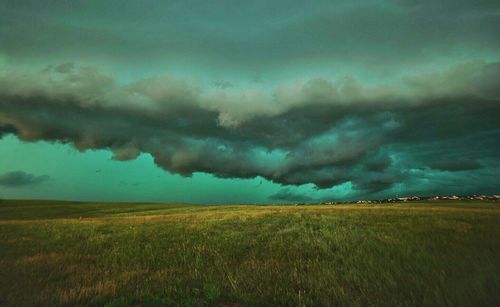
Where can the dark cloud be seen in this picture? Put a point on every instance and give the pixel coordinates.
(377, 162)
(322, 132)
(455, 165)
(20, 178)
(252, 36)
(369, 183)
(402, 113)
(290, 196)
(6, 129)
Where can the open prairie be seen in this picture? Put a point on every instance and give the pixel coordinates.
(118, 254)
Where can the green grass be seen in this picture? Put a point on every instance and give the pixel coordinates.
(62, 253)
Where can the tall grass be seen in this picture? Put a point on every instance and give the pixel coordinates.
(150, 254)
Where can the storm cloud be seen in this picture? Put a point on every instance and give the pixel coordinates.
(324, 132)
(20, 179)
(290, 196)
(252, 36)
(398, 95)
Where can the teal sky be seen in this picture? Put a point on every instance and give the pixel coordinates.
(93, 175)
(248, 101)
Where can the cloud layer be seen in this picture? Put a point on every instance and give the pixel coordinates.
(319, 131)
(397, 96)
(254, 36)
(21, 179)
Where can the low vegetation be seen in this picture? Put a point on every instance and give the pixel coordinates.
(435, 253)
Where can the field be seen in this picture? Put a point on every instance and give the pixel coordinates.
(117, 254)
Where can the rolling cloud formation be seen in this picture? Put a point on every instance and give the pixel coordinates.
(324, 132)
(20, 178)
(386, 97)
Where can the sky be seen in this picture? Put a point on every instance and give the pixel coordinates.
(248, 101)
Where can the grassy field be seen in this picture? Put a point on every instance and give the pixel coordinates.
(62, 253)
